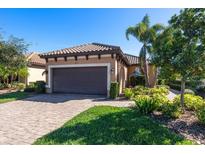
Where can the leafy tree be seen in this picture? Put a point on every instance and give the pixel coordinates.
(181, 47)
(146, 34)
(12, 58)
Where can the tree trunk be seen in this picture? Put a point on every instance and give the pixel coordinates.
(12, 77)
(182, 94)
(154, 78)
(146, 74)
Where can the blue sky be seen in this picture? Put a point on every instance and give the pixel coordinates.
(50, 29)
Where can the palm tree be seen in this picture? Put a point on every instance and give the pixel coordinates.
(145, 34)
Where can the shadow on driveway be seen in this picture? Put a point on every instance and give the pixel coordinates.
(61, 98)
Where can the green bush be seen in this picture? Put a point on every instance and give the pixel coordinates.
(20, 86)
(189, 91)
(171, 109)
(191, 102)
(40, 87)
(159, 90)
(201, 115)
(145, 104)
(159, 100)
(114, 90)
(2, 86)
(128, 93)
(165, 86)
(140, 90)
(30, 88)
(14, 84)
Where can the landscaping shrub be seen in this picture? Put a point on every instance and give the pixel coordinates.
(170, 109)
(145, 104)
(165, 86)
(159, 100)
(128, 93)
(30, 88)
(14, 84)
(191, 102)
(201, 115)
(140, 90)
(189, 91)
(2, 86)
(114, 90)
(40, 87)
(160, 90)
(20, 86)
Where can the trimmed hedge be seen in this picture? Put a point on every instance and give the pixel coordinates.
(40, 87)
(114, 90)
(128, 93)
(30, 88)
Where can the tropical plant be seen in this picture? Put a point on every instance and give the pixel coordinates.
(20, 86)
(191, 102)
(146, 34)
(170, 109)
(180, 48)
(128, 93)
(145, 104)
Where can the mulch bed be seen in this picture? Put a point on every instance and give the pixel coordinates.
(186, 125)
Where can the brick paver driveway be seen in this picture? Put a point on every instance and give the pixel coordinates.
(23, 121)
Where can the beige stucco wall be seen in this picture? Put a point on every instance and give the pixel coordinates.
(35, 74)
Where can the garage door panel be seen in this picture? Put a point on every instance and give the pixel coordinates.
(85, 80)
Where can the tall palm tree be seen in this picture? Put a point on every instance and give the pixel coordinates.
(146, 34)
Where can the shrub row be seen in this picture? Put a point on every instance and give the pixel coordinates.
(148, 100)
(141, 90)
(15, 85)
(191, 102)
(38, 86)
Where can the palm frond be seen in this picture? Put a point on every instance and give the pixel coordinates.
(130, 31)
(158, 27)
(146, 20)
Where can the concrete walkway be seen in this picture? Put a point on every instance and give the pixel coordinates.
(23, 121)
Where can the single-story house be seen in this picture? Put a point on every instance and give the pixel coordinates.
(88, 69)
(36, 69)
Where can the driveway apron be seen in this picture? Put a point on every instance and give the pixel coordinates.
(23, 121)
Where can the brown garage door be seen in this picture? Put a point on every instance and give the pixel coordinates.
(82, 80)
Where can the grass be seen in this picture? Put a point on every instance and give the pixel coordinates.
(12, 96)
(102, 125)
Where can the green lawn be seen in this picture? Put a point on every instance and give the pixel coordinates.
(12, 96)
(111, 125)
